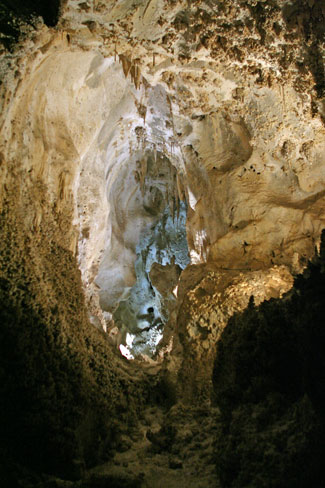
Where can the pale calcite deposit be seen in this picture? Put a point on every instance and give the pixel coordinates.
(120, 83)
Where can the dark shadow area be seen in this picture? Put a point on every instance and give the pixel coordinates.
(15, 12)
(260, 12)
(269, 379)
(64, 402)
(308, 20)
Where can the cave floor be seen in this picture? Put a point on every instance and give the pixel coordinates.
(166, 449)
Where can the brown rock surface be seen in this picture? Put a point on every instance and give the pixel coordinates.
(123, 109)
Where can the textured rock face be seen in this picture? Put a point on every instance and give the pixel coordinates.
(267, 379)
(95, 110)
(208, 297)
(121, 121)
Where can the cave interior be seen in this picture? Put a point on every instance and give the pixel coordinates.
(162, 253)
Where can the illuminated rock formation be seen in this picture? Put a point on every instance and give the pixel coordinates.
(174, 152)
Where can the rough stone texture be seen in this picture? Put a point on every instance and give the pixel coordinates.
(61, 384)
(20, 17)
(268, 381)
(230, 96)
(243, 132)
(174, 449)
(207, 300)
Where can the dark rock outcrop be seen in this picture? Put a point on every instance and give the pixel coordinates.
(269, 379)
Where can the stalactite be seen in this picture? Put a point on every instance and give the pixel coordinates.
(173, 208)
(131, 67)
(168, 198)
(137, 75)
(133, 73)
(176, 194)
(126, 64)
(143, 173)
(180, 187)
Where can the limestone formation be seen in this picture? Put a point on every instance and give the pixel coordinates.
(174, 151)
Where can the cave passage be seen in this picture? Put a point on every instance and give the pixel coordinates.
(162, 254)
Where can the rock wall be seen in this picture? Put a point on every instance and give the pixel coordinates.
(229, 96)
(64, 392)
(267, 381)
(252, 170)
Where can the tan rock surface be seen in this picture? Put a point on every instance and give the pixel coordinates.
(229, 94)
(122, 110)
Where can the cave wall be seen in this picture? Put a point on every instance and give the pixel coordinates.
(65, 395)
(243, 131)
(19, 17)
(268, 382)
(61, 384)
(232, 94)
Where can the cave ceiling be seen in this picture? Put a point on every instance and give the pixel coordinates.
(127, 108)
